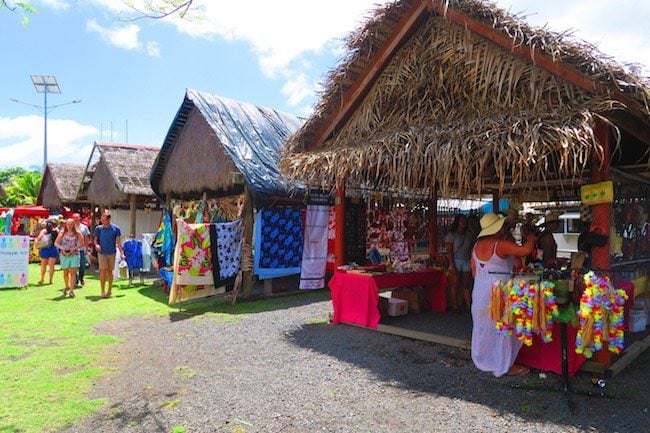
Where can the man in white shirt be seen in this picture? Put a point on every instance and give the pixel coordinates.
(83, 229)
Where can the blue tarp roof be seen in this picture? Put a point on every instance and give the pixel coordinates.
(253, 137)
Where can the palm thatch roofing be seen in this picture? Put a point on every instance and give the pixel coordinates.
(60, 184)
(115, 171)
(461, 94)
(216, 143)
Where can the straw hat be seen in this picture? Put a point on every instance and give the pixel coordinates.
(491, 223)
(511, 215)
(552, 217)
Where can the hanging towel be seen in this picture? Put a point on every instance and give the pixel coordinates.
(226, 249)
(314, 253)
(278, 242)
(195, 260)
(133, 254)
(147, 239)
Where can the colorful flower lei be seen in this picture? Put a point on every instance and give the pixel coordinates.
(601, 316)
(521, 302)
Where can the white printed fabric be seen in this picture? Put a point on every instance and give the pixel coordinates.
(229, 248)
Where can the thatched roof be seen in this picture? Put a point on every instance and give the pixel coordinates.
(215, 143)
(115, 171)
(60, 184)
(461, 94)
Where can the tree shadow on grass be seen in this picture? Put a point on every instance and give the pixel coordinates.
(437, 370)
(219, 304)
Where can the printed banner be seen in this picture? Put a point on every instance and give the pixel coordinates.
(14, 259)
(314, 252)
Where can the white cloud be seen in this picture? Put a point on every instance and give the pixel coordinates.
(297, 88)
(21, 140)
(121, 36)
(153, 49)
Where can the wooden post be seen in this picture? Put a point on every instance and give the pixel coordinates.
(601, 213)
(495, 201)
(249, 217)
(132, 208)
(433, 225)
(339, 241)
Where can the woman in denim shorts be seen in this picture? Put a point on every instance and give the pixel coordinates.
(49, 253)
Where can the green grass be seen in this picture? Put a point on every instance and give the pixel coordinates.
(50, 353)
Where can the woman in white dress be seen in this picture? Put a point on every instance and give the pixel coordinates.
(491, 255)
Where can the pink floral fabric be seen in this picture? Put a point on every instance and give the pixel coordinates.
(194, 261)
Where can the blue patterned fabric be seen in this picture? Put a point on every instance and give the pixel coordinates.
(133, 252)
(278, 242)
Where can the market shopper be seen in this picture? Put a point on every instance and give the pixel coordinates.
(85, 233)
(107, 238)
(493, 259)
(459, 243)
(46, 249)
(69, 242)
(546, 243)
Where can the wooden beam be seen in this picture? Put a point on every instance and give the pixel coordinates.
(629, 355)
(593, 367)
(249, 217)
(418, 335)
(339, 224)
(630, 124)
(372, 70)
(132, 209)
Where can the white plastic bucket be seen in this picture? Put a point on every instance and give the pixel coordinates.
(638, 320)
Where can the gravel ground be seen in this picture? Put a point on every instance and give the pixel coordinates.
(288, 370)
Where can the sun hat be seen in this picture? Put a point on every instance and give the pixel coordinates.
(552, 217)
(491, 223)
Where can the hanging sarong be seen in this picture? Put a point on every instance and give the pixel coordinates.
(314, 253)
(278, 242)
(226, 249)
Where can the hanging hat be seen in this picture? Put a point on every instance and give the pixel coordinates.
(511, 215)
(491, 223)
(552, 217)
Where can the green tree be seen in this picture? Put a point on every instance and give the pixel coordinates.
(22, 8)
(24, 189)
(7, 174)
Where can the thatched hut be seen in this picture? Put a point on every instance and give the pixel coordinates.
(117, 176)
(217, 145)
(60, 185)
(456, 98)
(471, 99)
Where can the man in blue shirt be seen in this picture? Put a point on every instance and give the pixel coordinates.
(107, 237)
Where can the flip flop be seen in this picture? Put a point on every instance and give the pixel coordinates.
(104, 295)
(71, 294)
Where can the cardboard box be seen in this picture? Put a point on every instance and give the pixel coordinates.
(414, 296)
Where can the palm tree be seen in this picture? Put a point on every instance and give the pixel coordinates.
(24, 188)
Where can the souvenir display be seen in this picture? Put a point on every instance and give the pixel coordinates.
(601, 316)
(523, 308)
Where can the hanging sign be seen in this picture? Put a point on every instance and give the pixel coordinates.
(597, 193)
(14, 260)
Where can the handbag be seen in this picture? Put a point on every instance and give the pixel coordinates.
(45, 242)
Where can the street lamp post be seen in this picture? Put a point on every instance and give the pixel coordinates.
(45, 84)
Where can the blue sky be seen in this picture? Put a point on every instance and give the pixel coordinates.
(271, 53)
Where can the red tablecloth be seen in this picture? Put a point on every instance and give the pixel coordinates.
(355, 297)
(548, 356)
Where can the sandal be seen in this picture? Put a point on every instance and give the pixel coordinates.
(71, 294)
(517, 370)
(64, 291)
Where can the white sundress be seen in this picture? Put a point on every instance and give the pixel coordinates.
(490, 351)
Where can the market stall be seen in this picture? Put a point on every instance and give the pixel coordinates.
(218, 165)
(461, 99)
